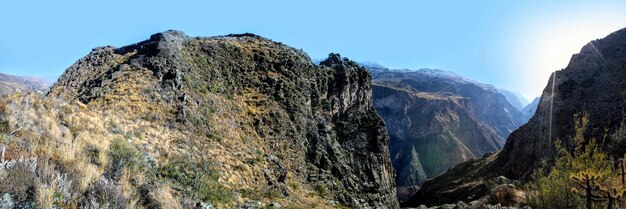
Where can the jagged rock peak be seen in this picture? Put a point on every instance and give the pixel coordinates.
(239, 35)
(335, 59)
(245, 94)
(168, 41)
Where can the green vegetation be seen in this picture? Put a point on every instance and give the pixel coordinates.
(198, 179)
(322, 190)
(584, 176)
(122, 156)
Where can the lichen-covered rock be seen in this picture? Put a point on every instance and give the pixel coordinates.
(276, 126)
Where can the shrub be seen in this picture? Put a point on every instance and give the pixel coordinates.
(322, 190)
(19, 182)
(553, 191)
(105, 194)
(582, 173)
(122, 155)
(198, 178)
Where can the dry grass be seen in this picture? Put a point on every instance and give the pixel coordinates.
(75, 139)
(44, 198)
(165, 197)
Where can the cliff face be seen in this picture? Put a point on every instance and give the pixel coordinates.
(270, 120)
(436, 120)
(430, 133)
(488, 105)
(592, 83)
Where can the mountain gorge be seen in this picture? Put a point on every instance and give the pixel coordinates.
(529, 110)
(437, 119)
(241, 121)
(591, 84)
(181, 122)
(516, 99)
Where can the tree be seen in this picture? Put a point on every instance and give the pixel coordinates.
(587, 187)
(582, 170)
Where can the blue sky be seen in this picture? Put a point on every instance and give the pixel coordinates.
(512, 44)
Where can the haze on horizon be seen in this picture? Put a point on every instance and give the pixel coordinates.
(511, 44)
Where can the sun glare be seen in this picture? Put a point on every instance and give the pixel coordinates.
(546, 46)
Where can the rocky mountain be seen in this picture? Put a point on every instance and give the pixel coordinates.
(235, 121)
(592, 83)
(516, 99)
(437, 119)
(529, 110)
(430, 133)
(486, 101)
(11, 83)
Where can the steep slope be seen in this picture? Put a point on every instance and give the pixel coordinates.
(429, 133)
(226, 121)
(434, 123)
(530, 109)
(516, 99)
(592, 83)
(11, 83)
(487, 104)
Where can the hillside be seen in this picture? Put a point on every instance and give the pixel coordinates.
(437, 119)
(488, 105)
(516, 99)
(181, 122)
(429, 133)
(529, 110)
(592, 83)
(11, 83)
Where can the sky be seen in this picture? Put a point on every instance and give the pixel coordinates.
(512, 44)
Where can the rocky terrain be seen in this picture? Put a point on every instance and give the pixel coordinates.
(181, 122)
(437, 119)
(11, 83)
(591, 83)
(488, 105)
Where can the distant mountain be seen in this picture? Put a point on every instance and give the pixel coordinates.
(11, 83)
(485, 98)
(515, 98)
(529, 110)
(592, 83)
(437, 119)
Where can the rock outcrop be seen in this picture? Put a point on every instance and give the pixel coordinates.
(269, 119)
(592, 83)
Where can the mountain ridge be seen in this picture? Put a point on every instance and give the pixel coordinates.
(225, 121)
(11, 83)
(591, 84)
(436, 119)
